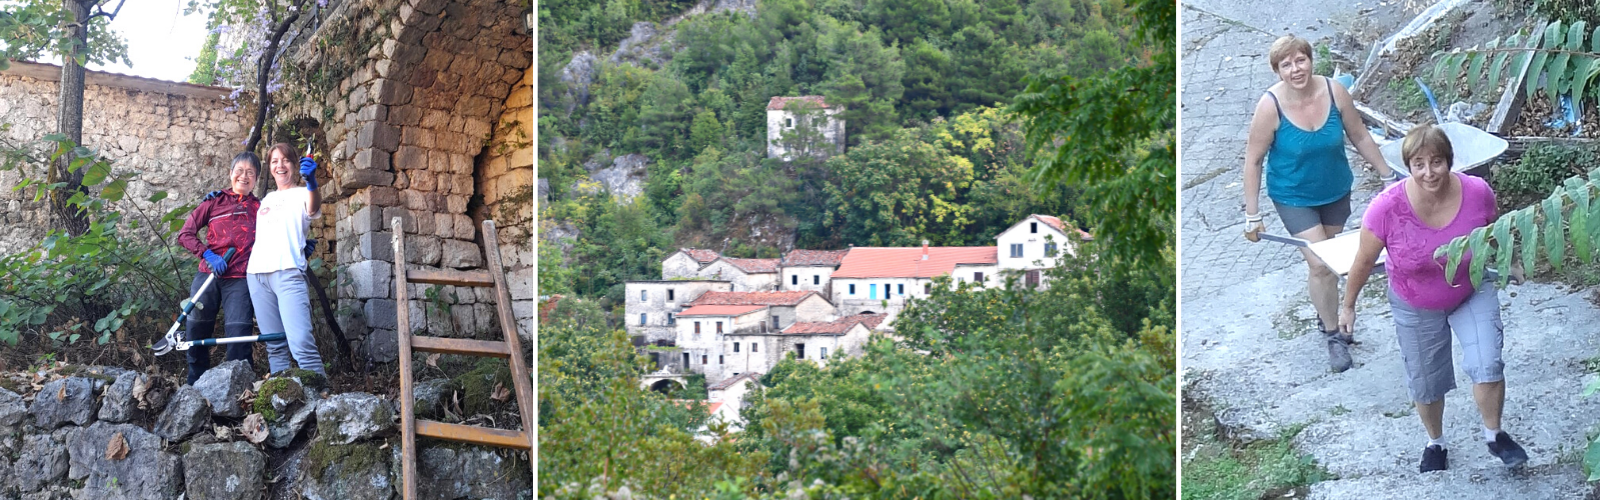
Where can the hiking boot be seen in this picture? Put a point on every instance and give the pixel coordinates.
(1338, 352)
(1507, 450)
(1435, 458)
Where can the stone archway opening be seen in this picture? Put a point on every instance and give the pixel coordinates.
(666, 386)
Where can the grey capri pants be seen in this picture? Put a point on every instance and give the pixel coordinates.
(1425, 342)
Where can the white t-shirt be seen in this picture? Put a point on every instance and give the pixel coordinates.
(281, 227)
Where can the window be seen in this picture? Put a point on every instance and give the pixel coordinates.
(794, 279)
(1016, 250)
(774, 322)
(704, 360)
(822, 353)
(735, 347)
(852, 289)
(816, 279)
(642, 317)
(978, 277)
(927, 288)
(799, 351)
(900, 289)
(754, 347)
(788, 122)
(669, 295)
(1050, 249)
(719, 359)
(644, 295)
(686, 359)
(872, 290)
(719, 327)
(672, 319)
(697, 328)
(1033, 227)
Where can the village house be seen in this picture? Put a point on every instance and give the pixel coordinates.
(881, 280)
(787, 307)
(810, 270)
(703, 332)
(747, 275)
(652, 306)
(792, 129)
(1033, 244)
(687, 263)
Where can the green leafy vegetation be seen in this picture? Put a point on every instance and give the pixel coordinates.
(1263, 469)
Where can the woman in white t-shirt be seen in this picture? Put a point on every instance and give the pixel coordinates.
(276, 272)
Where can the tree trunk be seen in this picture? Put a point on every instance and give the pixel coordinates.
(69, 122)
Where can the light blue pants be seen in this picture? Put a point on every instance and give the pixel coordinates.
(1425, 342)
(282, 306)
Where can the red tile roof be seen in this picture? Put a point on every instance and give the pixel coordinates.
(1056, 223)
(718, 310)
(729, 382)
(814, 257)
(837, 326)
(781, 102)
(750, 298)
(755, 265)
(711, 408)
(701, 255)
(874, 262)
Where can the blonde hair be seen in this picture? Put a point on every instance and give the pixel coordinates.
(288, 154)
(1425, 137)
(1286, 47)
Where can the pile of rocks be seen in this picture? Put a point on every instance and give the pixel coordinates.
(103, 432)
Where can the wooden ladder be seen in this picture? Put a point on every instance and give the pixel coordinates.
(511, 349)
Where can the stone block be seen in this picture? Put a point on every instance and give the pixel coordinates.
(378, 135)
(373, 112)
(353, 416)
(368, 158)
(186, 414)
(444, 183)
(370, 279)
(369, 219)
(391, 91)
(223, 384)
(233, 470)
(423, 250)
(380, 313)
(460, 164)
(377, 245)
(358, 179)
(117, 403)
(381, 346)
(425, 220)
(406, 116)
(465, 229)
(456, 204)
(436, 120)
(65, 401)
(407, 224)
(410, 157)
(462, 315)
(444, 225)
(415, 200)
(13, 411)
(422, 180)
(516, 59)
(461, 254)
(147, 471)
(43, 460)
(429, 7)
(520, 289)
(484, 317)
(423, 77)
(419, 314)
(464, 185)
(358, 97)
(401, 180)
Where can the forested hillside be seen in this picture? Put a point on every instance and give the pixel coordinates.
(930, 153)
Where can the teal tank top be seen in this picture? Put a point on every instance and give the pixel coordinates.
(1308, 169)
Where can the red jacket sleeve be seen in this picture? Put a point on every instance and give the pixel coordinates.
(188, 237)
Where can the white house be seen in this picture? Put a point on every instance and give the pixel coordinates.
(810, 270)
(785, 307)
(881, 280)
(795, 117)
(1033, 244)
(747, 275)
(687, 263)
(704, 330)
(651, 307)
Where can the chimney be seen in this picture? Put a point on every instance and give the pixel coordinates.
(924, 249)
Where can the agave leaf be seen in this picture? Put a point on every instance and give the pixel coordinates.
(1555, 241)
(1578, 190)
(1481, 252)
(1530, 238)
(1502, 239)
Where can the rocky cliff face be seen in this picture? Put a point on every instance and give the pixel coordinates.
(108, 433)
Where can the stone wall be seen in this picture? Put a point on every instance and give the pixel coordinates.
(505, 179)
(178, 137)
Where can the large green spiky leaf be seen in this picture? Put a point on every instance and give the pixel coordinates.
(1535, 68)
(1481, 253)
(1556, 76)
(1453, 252)
(1582, 66)
(1502, 259)
(1499, 62)
(1530, 238)
(1476, 68)
(1578, 190)
(1555, 242)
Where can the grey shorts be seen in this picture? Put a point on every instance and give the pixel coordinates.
(1425, 343)
(1299, 219)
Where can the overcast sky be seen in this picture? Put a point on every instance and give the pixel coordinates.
(162, 42)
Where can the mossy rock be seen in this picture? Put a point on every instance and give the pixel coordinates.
(285, 389)
(356, 456)
(477, 385)
(308, 378)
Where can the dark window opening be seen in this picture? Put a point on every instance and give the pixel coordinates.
(686, 359)
(642, 317)
(794, 279)
(697, 327)
(719, 359)
(704, 360)
(719, 327)
(852, 289)
(1033, 227)
(670, 294)
(900, 289)
(978, 277)
(816, 279)
(754, 347)
(799, 351)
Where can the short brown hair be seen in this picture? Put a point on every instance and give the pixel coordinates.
(1427, 136)
(1285, 47)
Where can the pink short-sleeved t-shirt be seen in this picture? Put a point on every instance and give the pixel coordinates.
(1417, 277)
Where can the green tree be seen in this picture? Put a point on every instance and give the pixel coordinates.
(895, 192)
(706, 131)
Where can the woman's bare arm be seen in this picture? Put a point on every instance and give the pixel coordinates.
(1357, 133)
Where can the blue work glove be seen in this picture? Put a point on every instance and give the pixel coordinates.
(308, 169)
(214, 194)
(218, 265)
(311, 246)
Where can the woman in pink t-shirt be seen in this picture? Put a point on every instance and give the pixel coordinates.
(1412, 219)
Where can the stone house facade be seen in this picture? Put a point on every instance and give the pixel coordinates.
(796, 118)
(704, 330)
(687, 263)
(810, 270)
(747, 275)
(652, 306)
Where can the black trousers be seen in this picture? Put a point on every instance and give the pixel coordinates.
(232, 297)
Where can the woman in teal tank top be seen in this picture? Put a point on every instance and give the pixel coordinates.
(1299, 128)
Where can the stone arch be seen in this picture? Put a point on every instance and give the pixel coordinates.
(666, 386)
(424, 125)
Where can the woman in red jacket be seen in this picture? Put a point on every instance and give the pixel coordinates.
(229, 217)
